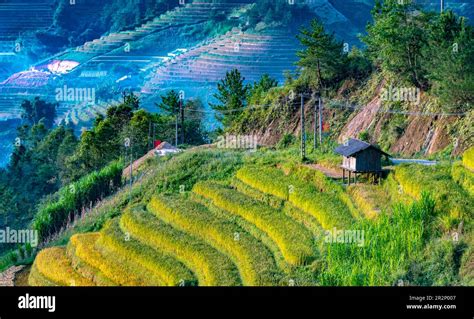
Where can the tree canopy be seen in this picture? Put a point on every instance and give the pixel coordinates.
(323, 55)
(231, 97)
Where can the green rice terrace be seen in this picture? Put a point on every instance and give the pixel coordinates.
(236, 143)
(262, 219)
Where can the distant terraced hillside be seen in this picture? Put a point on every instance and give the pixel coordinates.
(346, 18)
(19, 20)
(18, 17)
(252, 53)
(66, 67)
(190, 13)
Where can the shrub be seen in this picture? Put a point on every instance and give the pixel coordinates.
(295, 242)
(468, 158)
(364, 136)
(254, 261)
(21, 252)
(70, 199)
(285, 141)
(13, 256)
(54, 267)
(464, 177)
(210, 267)
(28, 250)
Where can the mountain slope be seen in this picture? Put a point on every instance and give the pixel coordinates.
(241, 229)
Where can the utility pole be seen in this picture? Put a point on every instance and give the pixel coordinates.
(303, 133)
(150, 145)
(181, 111)
(442, 6)
(320, 121)
(131, 166)
(176, 131)
(128, 145)
(314, 129)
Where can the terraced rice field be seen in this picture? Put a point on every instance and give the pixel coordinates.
(216, 235)
(254, 54)
(19, 17)
(102, 51)
(265, 226)
(190, 13)
(463, 172)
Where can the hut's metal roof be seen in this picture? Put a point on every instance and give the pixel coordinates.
(354, 146)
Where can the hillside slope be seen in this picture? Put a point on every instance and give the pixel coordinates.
(257, 224)
(401, 128)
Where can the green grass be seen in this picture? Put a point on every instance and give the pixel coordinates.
(466, 270)
(168, 175)
(394, 191)
(464, 177)
(452, 201)
(371, 199)
(209, 266)
(327, 186)
(391, 243)
(183, 171)
(268, 199)
(266, 180)
(280, 216)
(69, 200)
(295, 242)
(304, 219)
(255, 263)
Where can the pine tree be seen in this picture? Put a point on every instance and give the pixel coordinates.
(323, 55)
(231, 97)
(169, 102)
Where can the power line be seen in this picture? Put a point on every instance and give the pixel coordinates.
(360, 107)
(353, 107)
